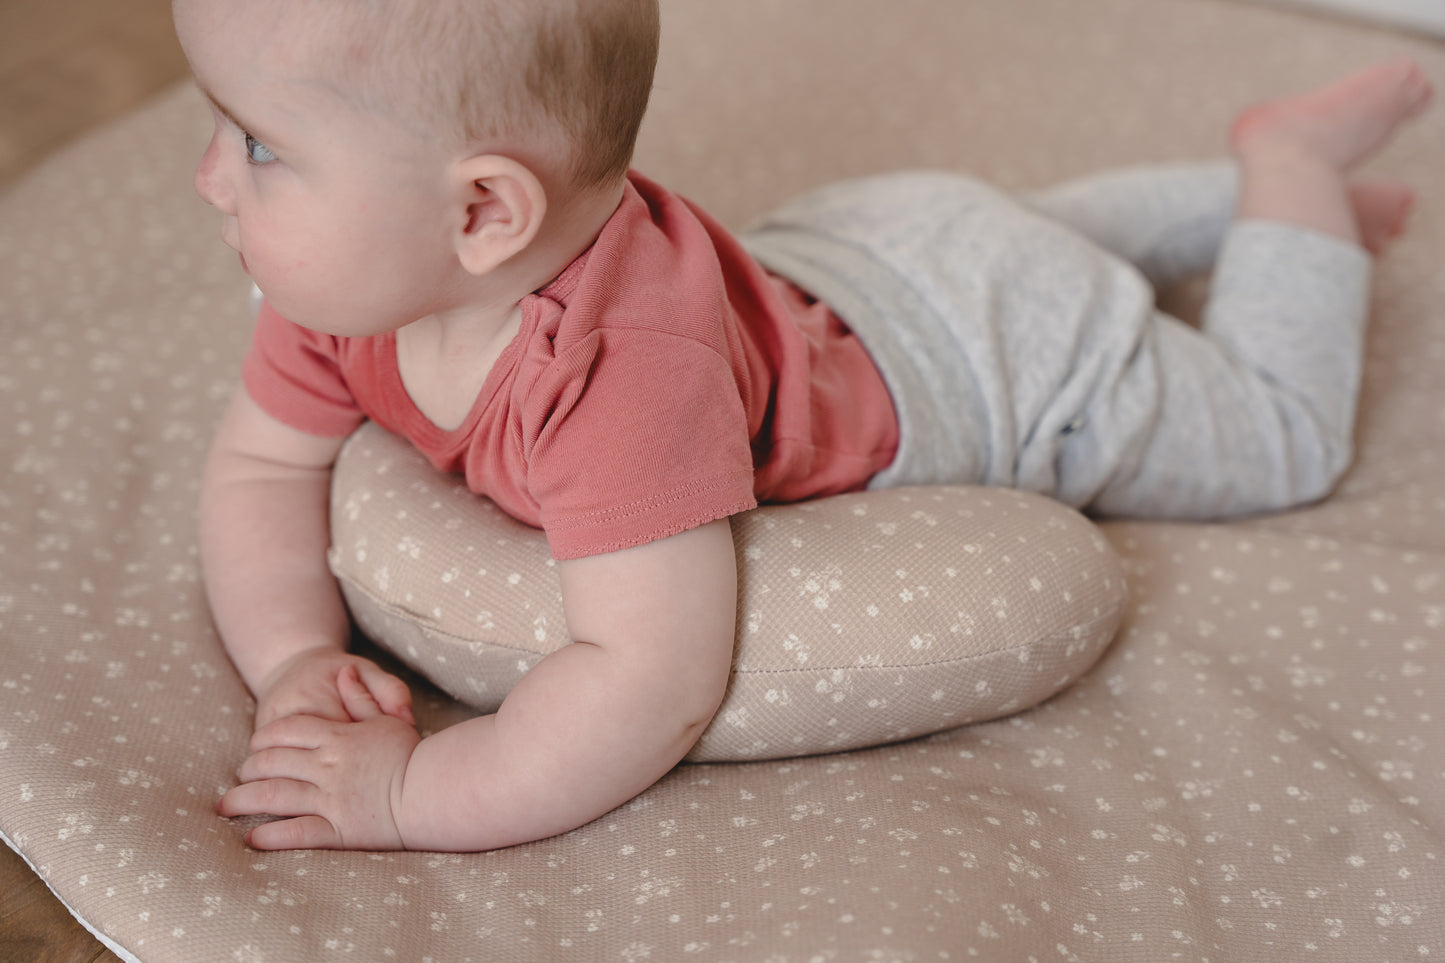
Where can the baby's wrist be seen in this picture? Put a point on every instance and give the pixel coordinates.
(303, 683)
(281, 666)
(404, 817)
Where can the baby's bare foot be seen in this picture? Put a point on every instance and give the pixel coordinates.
(1341, 123)
(1382, 208)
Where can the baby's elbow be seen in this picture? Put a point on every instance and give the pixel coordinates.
(706, 701)
(690, 734)
(695, 702)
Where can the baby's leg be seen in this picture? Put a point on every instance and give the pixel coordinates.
(1169, 221)
(1295, 153)
(1166, 220)
(1256, 412)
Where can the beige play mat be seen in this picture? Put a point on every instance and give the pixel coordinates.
(1254, 770)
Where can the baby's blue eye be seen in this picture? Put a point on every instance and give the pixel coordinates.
(257, 152)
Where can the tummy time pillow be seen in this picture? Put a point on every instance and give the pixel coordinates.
(862, 619)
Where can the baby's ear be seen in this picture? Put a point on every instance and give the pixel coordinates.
(503, 206)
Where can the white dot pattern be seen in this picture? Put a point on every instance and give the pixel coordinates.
(862, 619)
(1253, 770)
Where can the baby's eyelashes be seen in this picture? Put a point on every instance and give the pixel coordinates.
(257, 152)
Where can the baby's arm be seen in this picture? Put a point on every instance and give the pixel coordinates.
(264, 536)
(588, 728)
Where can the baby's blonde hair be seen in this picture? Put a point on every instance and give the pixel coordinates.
(480, 70)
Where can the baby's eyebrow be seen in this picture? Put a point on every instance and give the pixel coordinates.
(224, 111)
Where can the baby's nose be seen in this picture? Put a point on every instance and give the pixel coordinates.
(210, 184)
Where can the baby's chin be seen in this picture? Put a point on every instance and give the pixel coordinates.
(337, 323)
(337, 326)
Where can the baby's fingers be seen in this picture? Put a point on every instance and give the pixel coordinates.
(302, 832)
(278, 762)
(356, 698)
(389, 693)
(296, 732)
(270, 797)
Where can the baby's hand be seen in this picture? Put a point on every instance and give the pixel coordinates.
(307, 684)
(338, 784)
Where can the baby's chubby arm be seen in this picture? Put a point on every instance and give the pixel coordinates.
(588, 728)
(264, 535)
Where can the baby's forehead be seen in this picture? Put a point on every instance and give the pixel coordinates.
(354, 36)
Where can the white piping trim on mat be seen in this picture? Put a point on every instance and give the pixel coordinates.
(1425, 16)
(110, 944)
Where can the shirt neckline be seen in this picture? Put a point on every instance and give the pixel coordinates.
(431, 434)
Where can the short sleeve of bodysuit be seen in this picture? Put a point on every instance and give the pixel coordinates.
(631, 436)
(295, 376)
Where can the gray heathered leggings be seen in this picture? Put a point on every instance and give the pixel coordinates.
(1022, 346)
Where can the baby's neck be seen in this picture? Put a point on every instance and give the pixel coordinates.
(572, 227)
(444, 359)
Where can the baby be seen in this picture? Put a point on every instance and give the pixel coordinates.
(434, 197)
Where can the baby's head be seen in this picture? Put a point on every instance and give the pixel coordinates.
(567, 80)
(360, 137)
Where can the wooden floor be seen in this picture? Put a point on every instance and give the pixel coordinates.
(66, 66)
